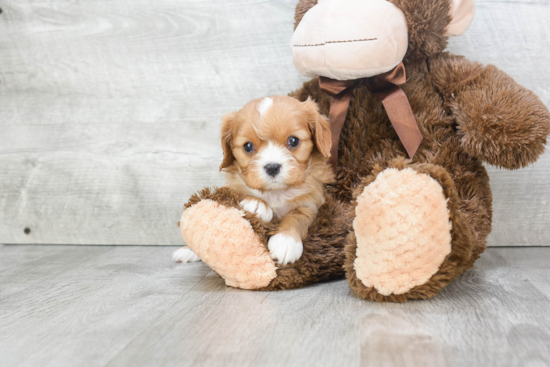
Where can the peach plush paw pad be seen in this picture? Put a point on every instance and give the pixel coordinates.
(224, 240)
(403, 231)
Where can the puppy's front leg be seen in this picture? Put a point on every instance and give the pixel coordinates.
(258, 207)
(185, 255)
(286, 246)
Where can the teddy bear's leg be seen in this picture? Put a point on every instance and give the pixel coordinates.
(233, 242)
(410, 238)
(229, 240)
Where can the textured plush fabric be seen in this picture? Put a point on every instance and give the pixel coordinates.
(221, 237)
(402, 229)
(467, 239)
(350, 39)
(468, 114)
(323, 257)
(206, 231)
(429, 22)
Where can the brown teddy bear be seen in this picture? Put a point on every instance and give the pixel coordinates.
(411, 207)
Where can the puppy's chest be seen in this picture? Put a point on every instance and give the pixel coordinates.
(280, 201)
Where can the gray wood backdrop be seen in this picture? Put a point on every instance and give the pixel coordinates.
(109, 109)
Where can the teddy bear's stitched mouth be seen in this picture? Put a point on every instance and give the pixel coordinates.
(322, 44)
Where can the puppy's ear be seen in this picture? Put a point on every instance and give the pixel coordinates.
(227, 135)
(320, 128)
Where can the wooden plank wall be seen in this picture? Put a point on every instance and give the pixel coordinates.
(109, 109)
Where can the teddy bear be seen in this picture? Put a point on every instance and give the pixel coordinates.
(411, 207)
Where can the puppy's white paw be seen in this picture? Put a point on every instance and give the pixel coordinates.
(185, 255)
(259, 208)
(284, 249)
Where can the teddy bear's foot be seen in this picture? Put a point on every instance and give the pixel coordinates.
(403, 231)
(234, 242)
(404, 235)
(222, 235)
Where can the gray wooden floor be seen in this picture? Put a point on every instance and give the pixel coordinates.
(130, 306)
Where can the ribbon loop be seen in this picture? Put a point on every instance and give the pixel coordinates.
(387, 88)
(341, 91)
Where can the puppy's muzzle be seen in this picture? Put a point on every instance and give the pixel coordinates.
(272, 169)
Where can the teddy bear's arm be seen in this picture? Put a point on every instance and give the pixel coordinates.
(498, 120)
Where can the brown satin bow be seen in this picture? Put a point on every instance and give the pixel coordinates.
(387, 88)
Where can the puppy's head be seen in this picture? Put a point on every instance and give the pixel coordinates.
(271, 141)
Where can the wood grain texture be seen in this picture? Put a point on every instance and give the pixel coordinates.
(109, 110)
(130, 306)
(90, 303)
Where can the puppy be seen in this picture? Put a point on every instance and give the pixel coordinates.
(276, 152)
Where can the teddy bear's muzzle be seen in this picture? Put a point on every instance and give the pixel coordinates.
(350, 39)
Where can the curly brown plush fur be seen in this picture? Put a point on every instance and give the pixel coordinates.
(231, 199)
(427, 21)
(323, 257)
(465, 246)
(467, 113)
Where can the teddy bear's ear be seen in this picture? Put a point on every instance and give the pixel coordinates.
(226, 136)
(320, 128)
(462, 13)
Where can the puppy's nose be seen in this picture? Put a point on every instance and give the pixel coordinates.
(272, 169)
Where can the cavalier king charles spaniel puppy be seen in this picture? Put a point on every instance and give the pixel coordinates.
(276, 152)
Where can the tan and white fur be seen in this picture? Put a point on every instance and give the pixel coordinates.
(275, 153)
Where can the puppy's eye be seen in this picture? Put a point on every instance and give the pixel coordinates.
(248, 147)
(293, 142)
